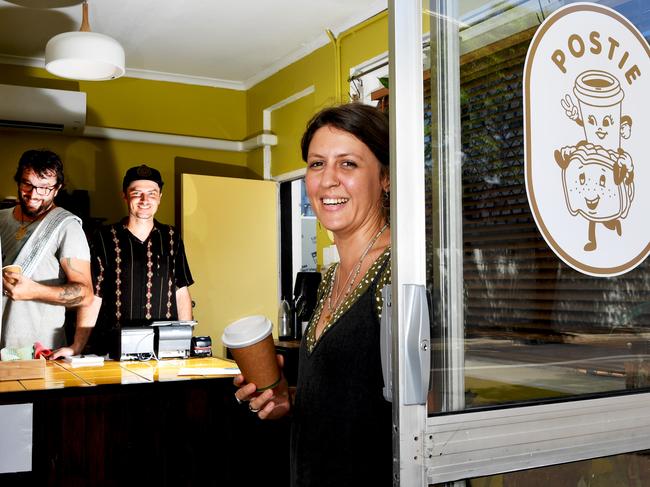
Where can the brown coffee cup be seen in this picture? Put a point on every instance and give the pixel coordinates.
(13, 268)
(251, 344)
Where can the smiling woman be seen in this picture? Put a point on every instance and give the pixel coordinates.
(339, 411)
(344, 181)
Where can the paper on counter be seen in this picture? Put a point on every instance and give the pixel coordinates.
(84, 360)
(208, 371)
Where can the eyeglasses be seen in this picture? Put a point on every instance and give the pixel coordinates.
(29, 187)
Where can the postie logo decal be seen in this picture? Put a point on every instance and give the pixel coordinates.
(586, 103)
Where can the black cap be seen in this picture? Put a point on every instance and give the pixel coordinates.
(142, 172)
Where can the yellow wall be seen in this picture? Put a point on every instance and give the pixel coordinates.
(175, 108)
(127, 103)
(99, 165)
(154, 106)
(286, 157)
(316, 69)
(361, 43)
(357, 45)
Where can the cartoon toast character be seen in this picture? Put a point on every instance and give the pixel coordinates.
(597, 173)
(595, 190)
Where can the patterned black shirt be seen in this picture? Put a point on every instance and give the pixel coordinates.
(137, 280)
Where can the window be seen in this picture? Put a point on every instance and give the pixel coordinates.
(533, 363)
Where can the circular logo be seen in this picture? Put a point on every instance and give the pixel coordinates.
(586, 94)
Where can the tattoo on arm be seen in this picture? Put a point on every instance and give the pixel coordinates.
(71, 295)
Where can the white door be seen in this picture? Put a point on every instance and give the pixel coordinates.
(230, 230)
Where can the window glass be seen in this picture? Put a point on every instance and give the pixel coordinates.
(298, 227)
(532, 326)
(307, 231)
(628, 470)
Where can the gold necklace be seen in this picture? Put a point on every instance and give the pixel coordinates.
(22, 230)
(354, 273)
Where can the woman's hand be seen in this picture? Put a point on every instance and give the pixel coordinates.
(271, 403)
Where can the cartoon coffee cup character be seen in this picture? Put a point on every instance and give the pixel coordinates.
(600, 99)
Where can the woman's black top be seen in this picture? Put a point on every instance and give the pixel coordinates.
(341, 431)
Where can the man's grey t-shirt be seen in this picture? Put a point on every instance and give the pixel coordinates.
(26, 322)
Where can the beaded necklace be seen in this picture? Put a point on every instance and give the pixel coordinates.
(335, 299)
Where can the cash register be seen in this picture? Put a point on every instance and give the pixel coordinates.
(135, 343)
(161, 339)
(173, 339)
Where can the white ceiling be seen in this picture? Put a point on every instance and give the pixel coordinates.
(229, 43)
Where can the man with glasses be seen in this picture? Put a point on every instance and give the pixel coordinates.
(140, 271)
(49, 258)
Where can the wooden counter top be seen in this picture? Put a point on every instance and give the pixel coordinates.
(60, 374)
(141, 423)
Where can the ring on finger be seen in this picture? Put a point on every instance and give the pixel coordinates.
(252, 409)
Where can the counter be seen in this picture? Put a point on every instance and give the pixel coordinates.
(142, 422)
(60, 374)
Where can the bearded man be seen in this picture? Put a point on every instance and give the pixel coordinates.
(49, 260)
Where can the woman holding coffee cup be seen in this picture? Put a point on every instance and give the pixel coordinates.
(341, 428)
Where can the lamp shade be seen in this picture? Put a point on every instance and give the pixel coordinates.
(87, 56)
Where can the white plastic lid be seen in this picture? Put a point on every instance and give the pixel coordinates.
(246, 331)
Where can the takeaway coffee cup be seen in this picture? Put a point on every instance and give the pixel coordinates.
(13, 268)
(600, 97)
(251, 344)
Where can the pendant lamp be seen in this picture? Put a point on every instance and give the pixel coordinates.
(84, 55)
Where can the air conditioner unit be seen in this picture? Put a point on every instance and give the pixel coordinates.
(42, 109)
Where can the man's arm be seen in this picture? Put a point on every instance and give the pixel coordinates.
(86, 319)
(77, 291)
(184, 303)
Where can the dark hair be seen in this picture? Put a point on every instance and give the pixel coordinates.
(43, 162)
(366, 123)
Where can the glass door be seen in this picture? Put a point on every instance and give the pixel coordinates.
(539, 330)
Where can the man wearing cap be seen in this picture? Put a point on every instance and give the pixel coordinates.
(46, 259)
(140, 271)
